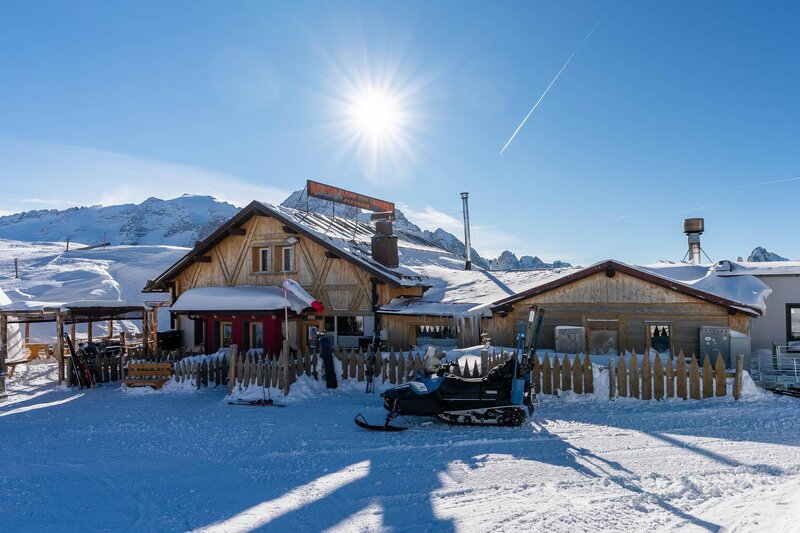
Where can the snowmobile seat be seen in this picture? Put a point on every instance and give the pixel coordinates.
(458, 385)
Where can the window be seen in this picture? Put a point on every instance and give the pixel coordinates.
(256, 335)
(792, 323)
(286, 258)
(444, 336)
(225, 334)
(330, 324)
(350, 326)
(659, 336)
(262, 259)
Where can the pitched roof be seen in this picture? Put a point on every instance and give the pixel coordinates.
(348, 239)
(714, 289)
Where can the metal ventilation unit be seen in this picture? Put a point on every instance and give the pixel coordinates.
(693, 228)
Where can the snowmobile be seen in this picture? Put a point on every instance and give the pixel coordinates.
(503, 398)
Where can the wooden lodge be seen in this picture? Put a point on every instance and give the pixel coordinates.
(375, 278)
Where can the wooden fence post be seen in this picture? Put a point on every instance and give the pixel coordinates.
(392, 367)
(694, 379)
(680, 377)
(285, 357)
(612, 381)
(401, 368)
(556, 374)
(577, 375)
(721, 388)
(537, 375)
(737, 377)
(360, 362)
(566, 374)
(647, 378)
(588, 375)
(622, 378)
(658, 379)
(547, 376)
(633, 374)
(708, 377)
(670, 371)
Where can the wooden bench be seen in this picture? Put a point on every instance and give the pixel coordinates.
(12, 364)
(148, 375)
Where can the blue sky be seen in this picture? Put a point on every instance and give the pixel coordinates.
(669, 110)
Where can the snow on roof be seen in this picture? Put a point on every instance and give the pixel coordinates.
(354, 238)
(27, 306)
(451, 290)
(249, 298)
(746, 290)
(771, 268)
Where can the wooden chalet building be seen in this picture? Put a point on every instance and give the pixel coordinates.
(373, 277)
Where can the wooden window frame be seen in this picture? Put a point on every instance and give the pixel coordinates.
(253, 326)
(647, 337)
(293, 261)
(258, 259)
(222, 333)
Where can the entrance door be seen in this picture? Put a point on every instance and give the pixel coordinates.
(603, 337)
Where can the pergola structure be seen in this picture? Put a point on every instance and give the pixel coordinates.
(78, 312)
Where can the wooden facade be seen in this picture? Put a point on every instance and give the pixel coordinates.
(344, 287)
(623, 303)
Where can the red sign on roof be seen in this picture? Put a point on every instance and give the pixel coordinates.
(343, 196)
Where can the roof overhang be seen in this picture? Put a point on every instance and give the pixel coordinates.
(610, 268)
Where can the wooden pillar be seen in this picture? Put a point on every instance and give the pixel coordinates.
(27, 332)
(110, 329)
(145, 333)
(60, 346)
(3, 354)
(72, 335)
(89, 332)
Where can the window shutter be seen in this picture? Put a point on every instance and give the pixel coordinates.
(256, 266)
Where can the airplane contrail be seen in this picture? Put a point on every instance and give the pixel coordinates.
(524, 120)
(770, 182)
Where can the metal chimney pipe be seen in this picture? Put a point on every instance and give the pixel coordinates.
(467, 245)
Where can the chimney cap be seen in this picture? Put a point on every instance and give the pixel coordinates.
(464, 195)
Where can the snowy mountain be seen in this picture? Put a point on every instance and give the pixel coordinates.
(177, 222)
(761, 255)
(508, 261)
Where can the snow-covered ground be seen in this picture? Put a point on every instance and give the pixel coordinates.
(176, 460)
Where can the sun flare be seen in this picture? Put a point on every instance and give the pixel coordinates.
(375, 114)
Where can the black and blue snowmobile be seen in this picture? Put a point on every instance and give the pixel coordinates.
(503, 398)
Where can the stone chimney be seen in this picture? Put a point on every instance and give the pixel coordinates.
(384, 242)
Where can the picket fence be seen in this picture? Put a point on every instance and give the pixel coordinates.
(563, 375)
(254, 368)
(658, 381)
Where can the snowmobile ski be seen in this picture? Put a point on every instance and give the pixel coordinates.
(257, 403)
(362, 423)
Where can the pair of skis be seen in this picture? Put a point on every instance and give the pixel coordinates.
(80, 366)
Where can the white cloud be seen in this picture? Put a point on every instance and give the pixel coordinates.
(432, 219)
(40, 175)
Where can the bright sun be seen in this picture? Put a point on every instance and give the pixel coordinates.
(375, 115)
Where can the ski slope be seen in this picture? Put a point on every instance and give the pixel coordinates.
(181, 460)
(49, 273)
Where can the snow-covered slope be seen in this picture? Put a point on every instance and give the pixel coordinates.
(47, 273)
(761, 255)
(177, 222)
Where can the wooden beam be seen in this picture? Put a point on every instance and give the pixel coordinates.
(60, 346)
(287, 229)
(202, 259)
(331, 255)
(3, 354)
(89, 332)
(237, 231)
